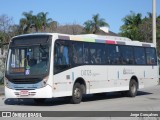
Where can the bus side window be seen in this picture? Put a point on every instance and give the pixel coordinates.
(127, 55)
(93, 55)
(139, 54)
(61, 57)
(77, 49)
(86, 53)
(97, 54)
(151, 56)
(113, 55)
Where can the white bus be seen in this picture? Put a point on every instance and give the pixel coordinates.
(50, 65)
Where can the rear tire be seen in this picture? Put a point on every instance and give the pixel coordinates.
(133, 87)
(77, 94)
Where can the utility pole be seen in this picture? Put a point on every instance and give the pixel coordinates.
(154, 21)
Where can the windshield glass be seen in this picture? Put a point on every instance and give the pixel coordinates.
(28, 60)
(29, 55)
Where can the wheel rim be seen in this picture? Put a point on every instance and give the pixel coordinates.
(77, 93)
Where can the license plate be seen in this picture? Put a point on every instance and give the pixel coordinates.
(24, 93)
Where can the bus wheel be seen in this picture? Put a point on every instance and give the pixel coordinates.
(133, 86)
(77, 94)
(39, 100)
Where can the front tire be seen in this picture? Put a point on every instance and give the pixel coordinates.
(77, 94)
(133, 87)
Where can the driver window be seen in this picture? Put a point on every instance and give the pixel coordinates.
(61, 57)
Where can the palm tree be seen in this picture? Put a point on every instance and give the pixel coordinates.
(44, 20)
(98, 22)
(92, 26)
(130, 27)
(40, 21)
(88, 26)
(26, 22)
(37, 23)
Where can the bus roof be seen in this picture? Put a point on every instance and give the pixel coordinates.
(95, 38)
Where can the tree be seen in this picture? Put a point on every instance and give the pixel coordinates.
(130, 27)
(37, 23)
(145, 28)
(5, 27)
(45, 22)
(92, 26)
(88, 26)
(27, 22)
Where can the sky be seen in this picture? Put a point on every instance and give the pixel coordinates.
(78, 11)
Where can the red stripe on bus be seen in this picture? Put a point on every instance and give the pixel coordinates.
(110, 42)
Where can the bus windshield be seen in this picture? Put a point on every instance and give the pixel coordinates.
(28, 60)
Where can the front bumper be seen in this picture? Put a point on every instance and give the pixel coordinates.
(45, 92)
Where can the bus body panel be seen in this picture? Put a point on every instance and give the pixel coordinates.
(97, 80)
(95, 77)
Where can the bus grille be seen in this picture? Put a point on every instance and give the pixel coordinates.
(25, 81)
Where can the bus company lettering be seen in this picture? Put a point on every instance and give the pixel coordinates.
(88, 73)
(128, 71)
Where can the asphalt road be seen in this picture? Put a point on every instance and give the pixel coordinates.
(148, 99)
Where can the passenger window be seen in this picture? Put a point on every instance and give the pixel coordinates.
(127, 55)
(139, 54)
(86, 53)
(97, 54)
(77, 53)
(113, 55)
(151, 56)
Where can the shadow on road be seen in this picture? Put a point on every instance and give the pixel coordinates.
(141, 93)
(65, 100)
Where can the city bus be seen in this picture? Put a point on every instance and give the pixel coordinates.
(51, 65)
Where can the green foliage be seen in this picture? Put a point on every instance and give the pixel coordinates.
(88, 26)
(130, 27)
(92, 26)
(44, 21)
(37, 23)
